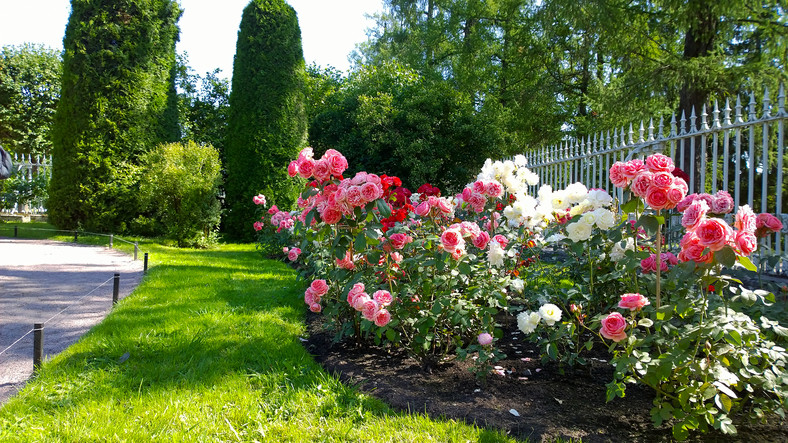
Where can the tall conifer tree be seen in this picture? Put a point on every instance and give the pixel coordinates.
(267, 121)
(117, 101)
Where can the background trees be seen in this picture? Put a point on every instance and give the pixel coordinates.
(117, 101)
(267, 121)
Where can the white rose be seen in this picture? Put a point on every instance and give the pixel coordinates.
(605, 219)
(588, 218)
(576, 192)
(517, 284)
(599, 198)
(578, 231)
(496, 254)
(527, 321)
(550, 313)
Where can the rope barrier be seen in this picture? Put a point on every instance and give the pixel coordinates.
(87, 233)
(17, 341)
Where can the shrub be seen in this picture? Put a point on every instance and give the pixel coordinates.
(180, 187)
(117, 101)
(267, 123)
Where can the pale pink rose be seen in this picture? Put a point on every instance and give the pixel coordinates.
(360, 301)
(695, 252)
(632, 168)
(745, 219)
(315, 307)
(617, 176)
(423, 209)
(688, 239)
(481, 240)
(373, 178)
(477, 201)
(657, 198)
(285, 250)
(354, 196)
(322, 170)
(503, 241)
(466, 194)
(714, 233)
(371, 191)
(359, 179)
(259, 199)
(676, 194)
(310, 297)
(681, 183)
(685, 203)
(258, 226)
(443, 205)
(662, 180)
(331, 216)
(398, 241)
(347, 262)
(306, 168)
(479, 187)
(493, 189)
(641, 183)
(382, 318)
(648, 264)
(694, 214)
(659, 163)
(356, 291)
(746, 242)
(708, 198)
(293, 254)
(633, 301)
(670, 258)
(320, 287)
(382, 297)
(397, 257)
(306, 153)
(613, 327)
(458, 253)
(722, 203)
(485, 339)
(768, 221)
(369, 310)
(292, 168)
(451, 240)
(337, 161)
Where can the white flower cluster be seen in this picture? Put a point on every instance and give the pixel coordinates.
(527, 321)
(618, 252)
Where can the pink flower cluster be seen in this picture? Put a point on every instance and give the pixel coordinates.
(372, 308)
(398, 241)
(281, 219)
(434, 207)
(453, 239)
(476, 195)
(292, 253)
(766, 223)
(347, 261)
(667, 259)
(313, 293)
(332, 163)
(259, 199)
(719, 203)
(337, 200)
(651, 180)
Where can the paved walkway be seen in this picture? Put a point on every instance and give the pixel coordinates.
(40, 278)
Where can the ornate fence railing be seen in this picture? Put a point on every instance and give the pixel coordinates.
(18, 197)
(739, 149)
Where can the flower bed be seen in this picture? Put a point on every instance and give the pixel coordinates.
(432, 275)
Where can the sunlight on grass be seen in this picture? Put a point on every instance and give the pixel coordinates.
(207, 348)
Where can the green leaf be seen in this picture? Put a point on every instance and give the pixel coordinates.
(361, 241)
(646, 322)
(373, 257)
(649, 223)
(383, 208)
(725, 256)
(464, 268)
(665, 312)
(633, 205)
(723, 402)
(552, 351)
(391, 335)
(680, 432)
(747, 263)
(615, 390)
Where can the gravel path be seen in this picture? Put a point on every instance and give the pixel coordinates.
(38, 279)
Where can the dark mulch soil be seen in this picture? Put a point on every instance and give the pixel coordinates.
(550, 404)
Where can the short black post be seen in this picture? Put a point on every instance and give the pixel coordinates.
(115, 289)
(16, 231)
(38, 345)
(111, 237)
(145, 268)
(76, 236)
(136, 250)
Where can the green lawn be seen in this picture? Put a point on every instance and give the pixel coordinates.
(214, 354)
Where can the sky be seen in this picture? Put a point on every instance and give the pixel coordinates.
(330, 29)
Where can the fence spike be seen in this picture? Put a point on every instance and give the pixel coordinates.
(781, 100)
(640, 133)
(693, 119)
(683, 123)
(716, 113)
(673, 130)
(650, 129)
(661, 128)
(766, 103)
(738, 110)
(704, 123)
(631, 135)
(751, 107)
(727, 114)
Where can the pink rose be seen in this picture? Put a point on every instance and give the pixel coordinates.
(398, 241)
(396, 256)
(331, 216)
(648, 264)
(451, 240)
(382, 297)
(423, 209)
(292, 168)
(337, 161)
(443, 205)
(768, 221)
(315, 307)
(685, 203)
(322, 170)
(370, 191)
(320, 287)
(659, 163)
(310, 297)
(273, 210)
(485, 339)
(479, 187)
(613, 327)
(722, 203)
(694, 252)
(676, 194)
(642, 183)
(306, 153)
(745, 219)
(657, 198)
(633, 301)
(493, 189)
(481, 240)
(662, 180)
(632, 168)
(714, 233)
(258, 226)
(360, 301)
(503, 241)
(617, 175)
(369, 309)
(259, 199)
(694, 214)
(670, 258)
(306, 167)
(746, 242)
(293, 254)
(382, 318)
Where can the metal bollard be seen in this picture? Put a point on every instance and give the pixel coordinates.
(16, 231)
(145, 267)
(76, 236)
(115, 289)
(136, 250)
(38, 345)
(111, 237)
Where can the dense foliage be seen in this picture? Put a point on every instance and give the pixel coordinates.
(179, 187)
(390, 119)
(29, 92)
(117, 102)
(267, 122)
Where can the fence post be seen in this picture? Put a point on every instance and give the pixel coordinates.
(136, 250)
(76, 236)
(38, 345)
(16, 231)
(115, 289)
(111, 237)
(145, 267)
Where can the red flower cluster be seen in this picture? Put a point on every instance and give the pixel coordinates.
(427, 190)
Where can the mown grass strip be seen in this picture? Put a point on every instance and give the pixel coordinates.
(206, 349)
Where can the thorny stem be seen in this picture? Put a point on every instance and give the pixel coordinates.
(659, 261)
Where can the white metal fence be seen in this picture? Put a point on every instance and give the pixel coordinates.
(741, 149)
(27, 169)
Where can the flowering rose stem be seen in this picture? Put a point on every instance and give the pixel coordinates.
(659, 259)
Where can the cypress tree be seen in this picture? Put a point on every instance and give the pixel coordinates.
(267, 121)
(117, 102)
